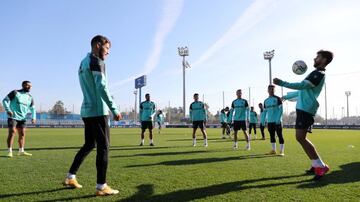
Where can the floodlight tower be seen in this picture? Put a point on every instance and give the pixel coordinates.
(268, 55)
(347, 93)
(183, 52)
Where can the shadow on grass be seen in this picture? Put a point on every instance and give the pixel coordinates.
(201, 160)
(32, 193)
(51, 148)
(209, 139)
(349, 173)
(71, 198)
(145, 191)
(161, 154)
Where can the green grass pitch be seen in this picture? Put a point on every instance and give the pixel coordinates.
(173, 170)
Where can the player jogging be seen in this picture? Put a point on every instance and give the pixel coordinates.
(223, 121)
(17, 104)
(159, 120)
(253, 121)
(198, 118)
(147, 111)
(240, 115)
(94, 111)
(274, 111)
(307, 106)
(262, 120)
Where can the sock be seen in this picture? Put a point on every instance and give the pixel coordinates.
(21, 149)
(236, 144)
(101, 186)
(273, 146)
(248, 145)
(71, 176)
(142, 141)
(194, 140)
(151, 141)
(281, 147)
(319, 163)
(10, 149)
(205, 141)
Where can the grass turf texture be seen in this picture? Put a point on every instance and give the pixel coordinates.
(173, 170)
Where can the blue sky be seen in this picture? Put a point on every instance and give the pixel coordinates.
(44, 42)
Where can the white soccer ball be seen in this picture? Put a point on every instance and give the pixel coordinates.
(299, 67)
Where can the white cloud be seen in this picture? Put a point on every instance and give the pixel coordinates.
(254, 14)
(171, 11)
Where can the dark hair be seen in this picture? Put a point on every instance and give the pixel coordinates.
(271, 86)
(196, 94)
(238, 90)
(327, 55)
(99, 39)
(260, 103)
(25, 82)
(147, 94)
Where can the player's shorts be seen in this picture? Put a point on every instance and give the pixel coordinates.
(146, 125)
(223, 125)
(303, 119)
(239, 125)
(274, 127)
(15, 123)
(199, 124)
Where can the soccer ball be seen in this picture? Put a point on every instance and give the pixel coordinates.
(299, 67)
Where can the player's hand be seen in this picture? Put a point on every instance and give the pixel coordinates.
(276, 81)
(117, 117)
(283, 99)
(10, 113)
(33, 121)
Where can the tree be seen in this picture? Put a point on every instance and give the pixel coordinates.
(58, 108)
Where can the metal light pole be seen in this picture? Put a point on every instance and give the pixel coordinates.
(347, 93)
(268, 55)
(183, 52)
(135, 93)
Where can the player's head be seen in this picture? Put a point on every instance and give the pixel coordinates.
(226, 109)
(147, 97)
(260, 105)
(100, 46)
(238, 93)
(196, 97)
(26, 86)
(323, 58)
(251, 108)
(271, 90)
(160, 112)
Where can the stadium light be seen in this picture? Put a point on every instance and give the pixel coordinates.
(347, 93)
(183, 52)
(268, 55)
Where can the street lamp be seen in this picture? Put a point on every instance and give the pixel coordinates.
(268, 55)
(347, 93)
(135, 93)
(183, 52)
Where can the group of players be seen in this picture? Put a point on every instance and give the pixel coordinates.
(97, 103)
(239, 116)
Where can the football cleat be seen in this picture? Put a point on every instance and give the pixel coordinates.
(320, 172)
(9, 155)
(272, 152)
(106, 191)
(24, 154)
(72, 183)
